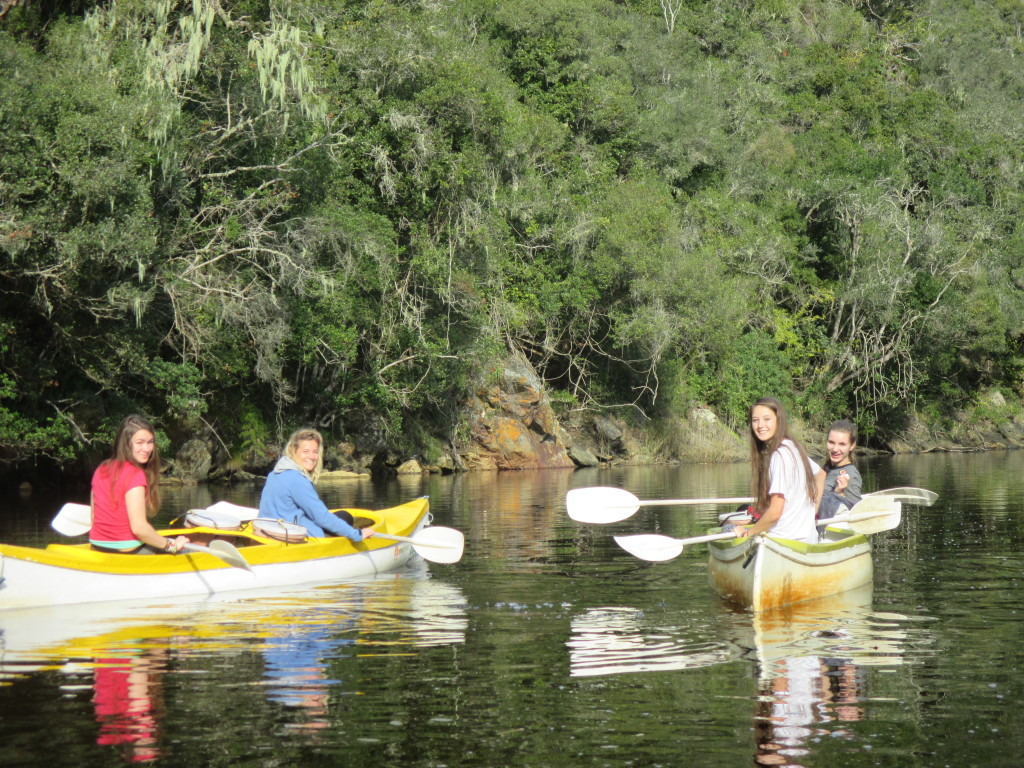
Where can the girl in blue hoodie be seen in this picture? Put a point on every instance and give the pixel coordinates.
(290, 495)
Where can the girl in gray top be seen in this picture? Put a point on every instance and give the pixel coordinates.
(842, 479)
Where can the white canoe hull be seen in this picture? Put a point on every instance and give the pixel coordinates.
(762, 573)
(67, 574)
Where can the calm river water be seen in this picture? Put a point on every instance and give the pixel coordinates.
(547, 645)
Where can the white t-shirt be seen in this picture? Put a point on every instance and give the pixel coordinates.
(787, 478)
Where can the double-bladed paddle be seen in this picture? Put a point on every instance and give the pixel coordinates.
(870, 515)
(602, 505)
(439, 543)
(450, 541)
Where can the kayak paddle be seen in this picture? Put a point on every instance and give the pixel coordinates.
(76, 520)
(870, 515)
(610, 505)
(73, 520)
(224, 550)
(921, 496)
(435, 543)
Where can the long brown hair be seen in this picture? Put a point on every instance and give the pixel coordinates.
(122, 452)
(292, 449)
(761, 452)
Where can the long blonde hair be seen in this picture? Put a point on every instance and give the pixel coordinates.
(122, 452)
(761, 452)
(292, 450)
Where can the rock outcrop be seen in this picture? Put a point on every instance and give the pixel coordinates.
(512, 425)
(193, 461)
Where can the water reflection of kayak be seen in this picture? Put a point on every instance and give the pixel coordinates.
(407, 609)
(122, 652)
(841, 625)
(620, 639)
(811, 661)
(75, 573)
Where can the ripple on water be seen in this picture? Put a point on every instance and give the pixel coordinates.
(611, 640)
(408, 611)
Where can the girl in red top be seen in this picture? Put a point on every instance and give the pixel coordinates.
(126, 494)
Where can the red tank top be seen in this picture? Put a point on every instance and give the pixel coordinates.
(111, 481)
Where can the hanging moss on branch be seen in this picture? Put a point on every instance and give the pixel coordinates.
(350, 215)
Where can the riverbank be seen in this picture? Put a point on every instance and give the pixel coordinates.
(511, 424)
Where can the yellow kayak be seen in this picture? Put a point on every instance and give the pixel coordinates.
(76, 573)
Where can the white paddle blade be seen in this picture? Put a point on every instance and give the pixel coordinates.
(73, 520)
(651, 546)
(876, 522)
(872, 514)
(439, 544)
(600, 505)
(921, 496)
(220, 549)
(436, 544)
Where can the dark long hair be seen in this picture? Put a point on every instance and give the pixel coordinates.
(761, 452)
(122, 452)
(847, 426)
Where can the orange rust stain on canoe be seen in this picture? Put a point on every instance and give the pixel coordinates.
(736, 587)
(810, 587)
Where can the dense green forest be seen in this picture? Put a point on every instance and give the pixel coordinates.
(253, 214)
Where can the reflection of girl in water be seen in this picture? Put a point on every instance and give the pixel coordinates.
(797, 695)
(126, 699)
(295, 664)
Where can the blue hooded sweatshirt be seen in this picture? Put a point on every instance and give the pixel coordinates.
(290, 496)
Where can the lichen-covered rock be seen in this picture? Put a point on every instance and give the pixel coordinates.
(410, 467)
(583, 457)
(512, 424)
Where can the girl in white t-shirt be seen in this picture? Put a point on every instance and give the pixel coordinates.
(786, 483)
